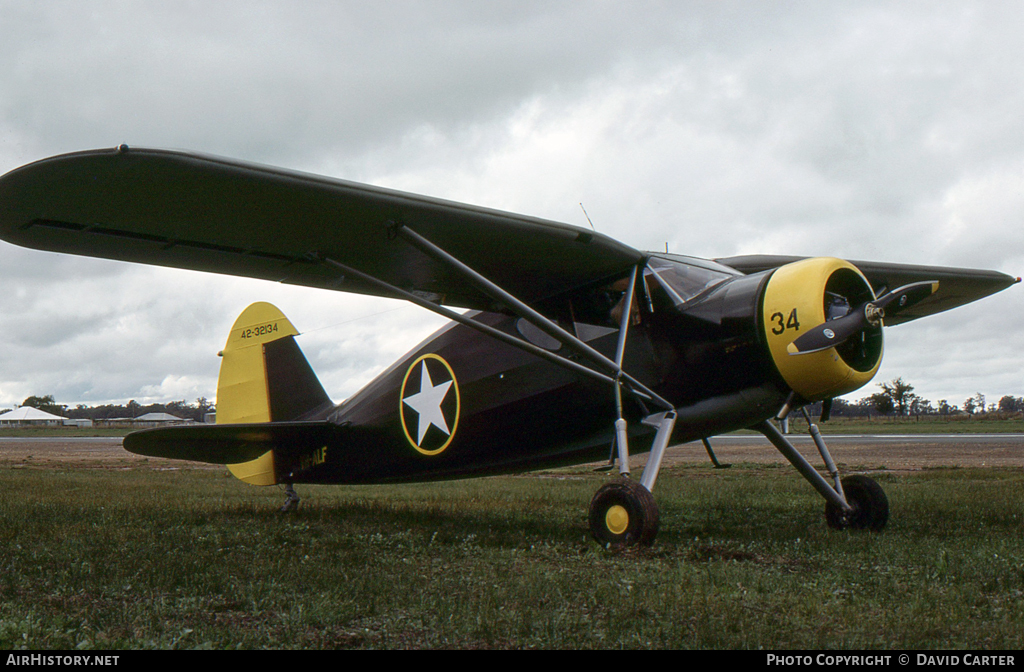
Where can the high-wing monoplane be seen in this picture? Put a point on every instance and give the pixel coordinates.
(575, 348)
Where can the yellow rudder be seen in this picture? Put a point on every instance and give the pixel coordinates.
(242, 392)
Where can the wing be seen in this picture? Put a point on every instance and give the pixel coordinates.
(957, 286)
(210, 214)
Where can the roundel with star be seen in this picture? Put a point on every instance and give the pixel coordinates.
(429, 404)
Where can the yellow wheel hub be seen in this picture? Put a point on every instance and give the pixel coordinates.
(617, 519)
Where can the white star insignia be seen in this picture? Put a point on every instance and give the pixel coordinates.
(427, 403)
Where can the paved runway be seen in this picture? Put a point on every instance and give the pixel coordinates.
(882, 439)
(866, 452)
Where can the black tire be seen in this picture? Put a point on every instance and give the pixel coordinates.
(623, 513)
(870, 506)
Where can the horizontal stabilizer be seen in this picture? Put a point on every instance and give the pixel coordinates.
(229, 444)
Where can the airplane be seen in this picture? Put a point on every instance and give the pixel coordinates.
(573, 347)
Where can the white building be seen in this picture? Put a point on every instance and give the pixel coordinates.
(27, 415)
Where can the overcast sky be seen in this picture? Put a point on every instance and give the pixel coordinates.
(865, 130)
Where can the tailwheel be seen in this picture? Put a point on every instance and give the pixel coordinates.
(291, 501)
(623, 513)
(870, 506)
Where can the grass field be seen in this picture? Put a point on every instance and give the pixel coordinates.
(140, 558)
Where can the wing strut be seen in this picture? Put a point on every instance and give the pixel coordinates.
(620, 423)
(519, 308)
(614, 373)
(469, 322)
(614, 368)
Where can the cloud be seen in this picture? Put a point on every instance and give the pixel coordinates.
(867, 130)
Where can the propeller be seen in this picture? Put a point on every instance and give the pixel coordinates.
(834, 332)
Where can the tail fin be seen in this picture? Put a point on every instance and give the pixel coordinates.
(264, 377)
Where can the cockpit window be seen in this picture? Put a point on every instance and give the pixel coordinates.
(682, 280)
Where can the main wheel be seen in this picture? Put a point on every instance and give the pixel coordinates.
(623, 513)
(870, 506)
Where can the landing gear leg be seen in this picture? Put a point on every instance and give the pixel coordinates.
(291, 501)
(711, 454)
(623, 513)
(854, 503)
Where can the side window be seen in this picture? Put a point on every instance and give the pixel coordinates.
(675, 283)
(594, 306)
(603, 305)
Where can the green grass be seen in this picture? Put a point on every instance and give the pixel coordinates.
(194, 559)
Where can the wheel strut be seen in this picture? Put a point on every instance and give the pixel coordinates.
(623, 513)
(855, 502)
(802, 465)
(711, 454)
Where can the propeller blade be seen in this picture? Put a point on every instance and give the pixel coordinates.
(906, 296)
(829, 334)
(834, 332)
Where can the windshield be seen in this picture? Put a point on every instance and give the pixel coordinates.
(683, 280)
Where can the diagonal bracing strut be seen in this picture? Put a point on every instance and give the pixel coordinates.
(612, 370)
(803, 466)
(469, 322)
(519, 308)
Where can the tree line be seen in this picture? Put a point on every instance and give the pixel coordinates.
(182, 409)
(897, 399)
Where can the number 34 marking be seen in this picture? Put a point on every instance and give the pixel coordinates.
(779, 327)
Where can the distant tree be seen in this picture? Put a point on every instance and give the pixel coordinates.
(919, 406)
(46, 404)
(134, 409)
(1010, 404)
(179, 409)
(969, 405)
(39, 402)
(882, 403)
(863, 408)
(901, 393)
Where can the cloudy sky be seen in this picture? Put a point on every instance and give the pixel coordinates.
(866, 130)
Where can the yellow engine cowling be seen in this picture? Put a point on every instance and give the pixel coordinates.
(797, 298)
